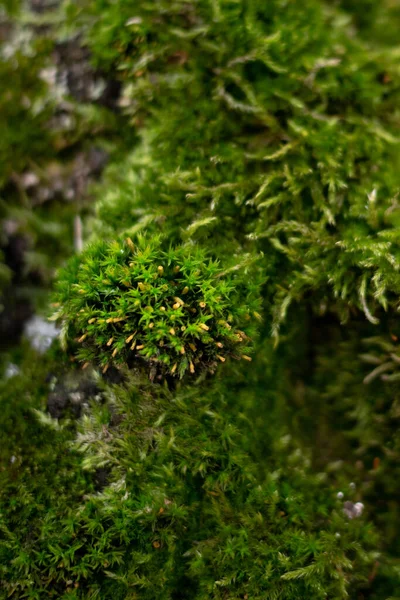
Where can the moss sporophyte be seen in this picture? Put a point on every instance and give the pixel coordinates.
(142, 302)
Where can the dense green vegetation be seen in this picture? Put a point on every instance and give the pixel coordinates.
(123, 298)
(219, 416)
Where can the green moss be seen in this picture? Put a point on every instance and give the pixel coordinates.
(185, 515)
(25, 108)
(40, 475)
(268, 151)
(175, 308)
(287, 140)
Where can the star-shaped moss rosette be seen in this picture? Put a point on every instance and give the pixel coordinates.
(174, 309)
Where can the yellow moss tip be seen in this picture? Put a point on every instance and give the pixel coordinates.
(174, 368)
(110, 341)
(82, 338)
(176, 306)
(193, 347)
(172, 331)
(160, 269)
(92, 320)
(245, 357)
(204, 326)
(221, 358)
(202, 304)
(85, 365)
(105, 369)
(162, 308)
(130, 244)
(140, 347)
(185, 290)
(182, 350)
(115, 352)
(191, 365)
(129, 339)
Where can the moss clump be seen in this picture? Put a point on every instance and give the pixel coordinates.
(40, 474)
(288, 138)
(186, 514)
(173, 308)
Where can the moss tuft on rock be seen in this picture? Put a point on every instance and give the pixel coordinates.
(173, 309)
